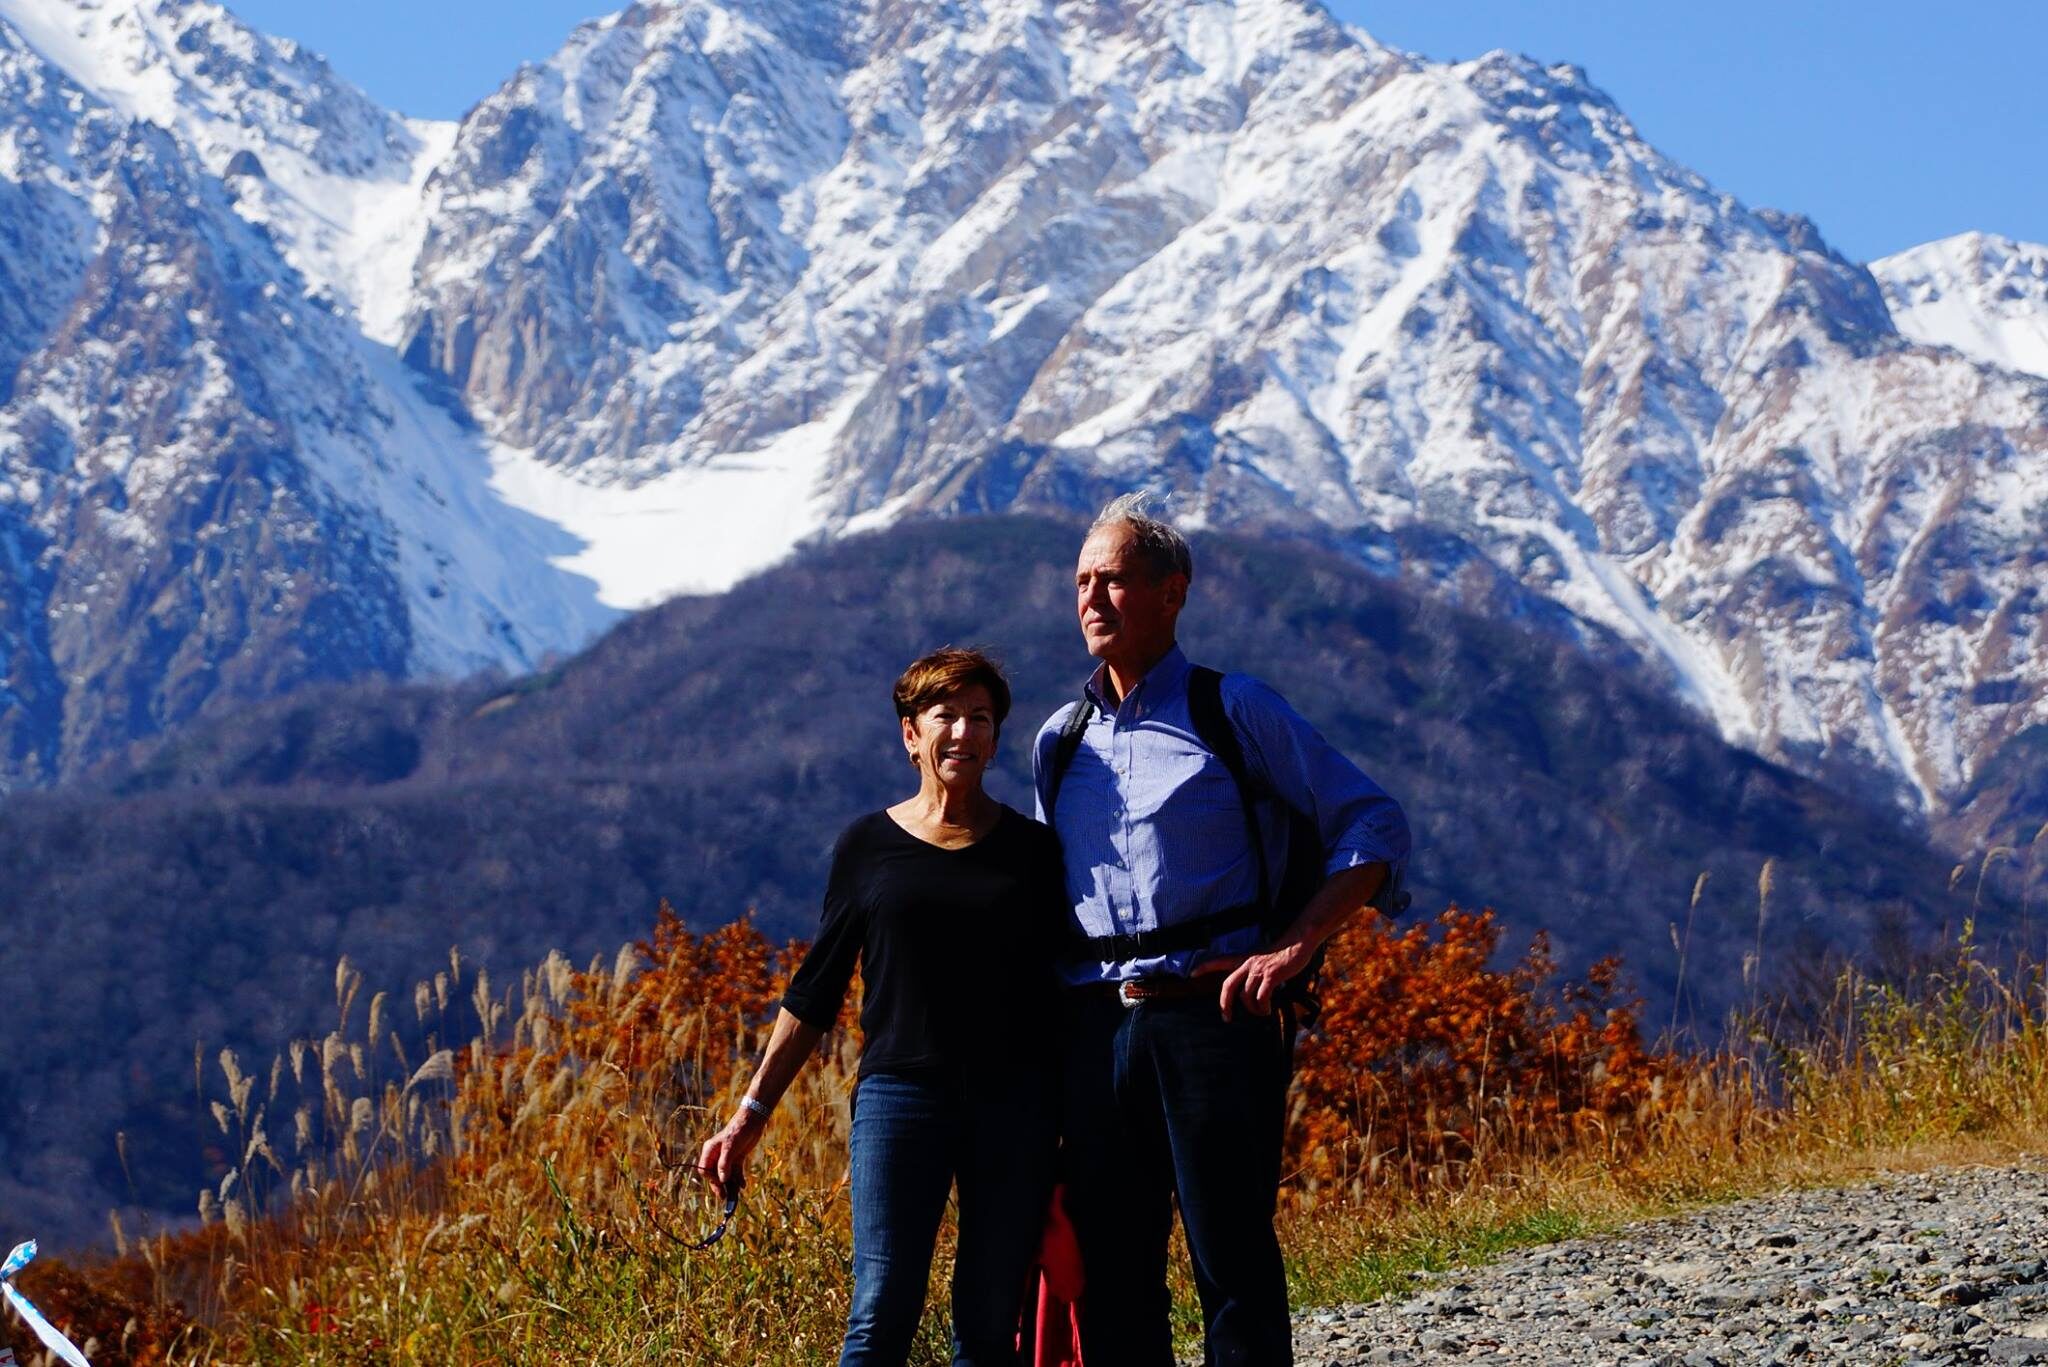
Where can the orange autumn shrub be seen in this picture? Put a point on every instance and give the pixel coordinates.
(1426, 1054)
(714, 986)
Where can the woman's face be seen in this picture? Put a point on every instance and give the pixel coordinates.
(954, 738)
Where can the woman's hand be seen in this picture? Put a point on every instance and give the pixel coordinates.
(723, 1158)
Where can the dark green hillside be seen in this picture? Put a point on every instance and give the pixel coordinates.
(709, 751)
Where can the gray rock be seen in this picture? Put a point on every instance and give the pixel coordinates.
(1939, 1268)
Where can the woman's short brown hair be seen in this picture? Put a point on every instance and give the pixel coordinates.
(945, 671)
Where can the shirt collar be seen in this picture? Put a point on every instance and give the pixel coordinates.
(1159, 682)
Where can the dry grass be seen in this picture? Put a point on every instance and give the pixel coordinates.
(517, 1197)
(1948, 1066)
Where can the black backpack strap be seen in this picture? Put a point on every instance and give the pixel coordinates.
(1219, 737)
(1197, 933)
(1298, 1000)
(1063, 750)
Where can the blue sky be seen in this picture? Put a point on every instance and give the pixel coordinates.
(1889, 123)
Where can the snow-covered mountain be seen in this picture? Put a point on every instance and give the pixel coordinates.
(1977, 292)
(1461, 318)
(335, 178)
(724, 274)
(213, 485)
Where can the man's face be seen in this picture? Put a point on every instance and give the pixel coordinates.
(1127, 613)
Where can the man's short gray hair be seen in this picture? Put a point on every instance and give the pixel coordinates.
(1165, 548)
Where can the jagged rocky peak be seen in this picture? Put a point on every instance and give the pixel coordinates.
(193, 67)
(688, 192)
(1460, 318)
(340, 177)
(212, 488)
(1980, 293)
(614, 213)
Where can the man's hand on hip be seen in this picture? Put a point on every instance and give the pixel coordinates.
(1254, 980)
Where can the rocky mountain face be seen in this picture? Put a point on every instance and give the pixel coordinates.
(1458, 319)
(722, 275)
(1986, 297)
(210, 487)
(331, 176)
(164, 540)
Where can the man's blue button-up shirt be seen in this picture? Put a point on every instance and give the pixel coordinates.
(1150, 824)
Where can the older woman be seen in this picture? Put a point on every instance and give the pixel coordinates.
(951, 904)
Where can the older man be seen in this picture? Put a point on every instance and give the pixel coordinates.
(1177, 794)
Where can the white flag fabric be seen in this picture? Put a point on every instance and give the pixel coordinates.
(22, 1255)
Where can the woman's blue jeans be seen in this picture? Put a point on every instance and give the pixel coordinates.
(913, 1139)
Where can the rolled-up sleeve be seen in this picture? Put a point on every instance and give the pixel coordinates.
(1358, 821)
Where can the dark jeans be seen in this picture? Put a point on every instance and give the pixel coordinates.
(913, 1138)
(1165, 1100)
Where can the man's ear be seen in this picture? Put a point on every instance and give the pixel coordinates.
(1176, 591)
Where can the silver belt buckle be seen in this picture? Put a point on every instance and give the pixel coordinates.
(1124, 993)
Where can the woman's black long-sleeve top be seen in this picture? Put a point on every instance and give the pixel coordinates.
(955, 947)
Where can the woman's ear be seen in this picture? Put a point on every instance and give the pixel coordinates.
(910, 736)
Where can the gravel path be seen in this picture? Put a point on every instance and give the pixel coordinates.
(1944, 1267)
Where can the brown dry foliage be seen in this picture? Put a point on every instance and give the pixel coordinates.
(1425, 1056)
(519, 1204)
(118, 1308)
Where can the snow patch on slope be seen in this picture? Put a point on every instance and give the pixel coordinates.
(356, 240)
(699, 529)
(488, 583)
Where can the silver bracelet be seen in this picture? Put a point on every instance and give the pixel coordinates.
(751, 1104)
